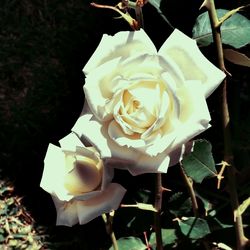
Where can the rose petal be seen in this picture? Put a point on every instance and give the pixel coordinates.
(75, 211)
(114, 76)
(70, 142)
(123, 44)
(194, 66)
(200, 118)
(177, 155)
(53, 173)
(136, 162)
(107, 201)
(66, 212)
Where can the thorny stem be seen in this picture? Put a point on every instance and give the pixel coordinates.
(108, 219)
(189, 185)
(137, 6)
(157, 215)
(228, 153)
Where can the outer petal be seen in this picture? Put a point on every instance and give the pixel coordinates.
(199, 120)
(123, 44)
(178, 154)
(196, 123)
(87, 127)
(194, 66)
(53, 173)
(107, 201)
(74, 211)
(66, 212)
(70, 142)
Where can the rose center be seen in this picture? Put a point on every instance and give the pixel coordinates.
(84, 177)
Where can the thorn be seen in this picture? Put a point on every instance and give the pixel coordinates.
(166, 189)
(227, 72)
(204, 4)
(220, 176)
(177, 219)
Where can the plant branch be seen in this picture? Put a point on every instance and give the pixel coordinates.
(189, 185)
(228, 153)
(157, 215)
(108, 219)
(131, 21)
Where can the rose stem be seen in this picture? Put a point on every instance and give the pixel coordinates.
(109, 229)
(228, 152)
(137, 6)
(157, 215)
(189, 185)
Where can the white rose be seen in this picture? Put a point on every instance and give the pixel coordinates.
(79, 183)
(141, 105)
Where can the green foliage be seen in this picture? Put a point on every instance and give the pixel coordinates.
(131, 243)
(235, 31)
(215, 224)
(17, 230)
(194, 228)
(137, 223)
(179, 204)
(169, 237)
(200, 163)
(157, 4)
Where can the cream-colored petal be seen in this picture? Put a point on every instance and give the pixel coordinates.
(144, 164)
(85, 177)
(198, 120)
(76, 211)
(193, 64)
(115, 132)
(177, 155)
(136, 162)
(123, 44)
(99, 86)
(87, 127)
(66, 212)
(70, 142)
(150, 66)
(105, 202)
(54, 172)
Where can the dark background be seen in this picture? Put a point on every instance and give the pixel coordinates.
(43, 48)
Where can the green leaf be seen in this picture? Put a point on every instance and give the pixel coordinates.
(2, 238)
(200, 163)
(179, 204)
(206, 203)
(235, 31)
(143, 196)
(138, 223)
(236, 57)
(148, 207)
(168, 237)
(194, 228)
(131, 243)
(157, 4)
(215, 224)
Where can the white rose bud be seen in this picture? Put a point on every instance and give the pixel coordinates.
(79, 182)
